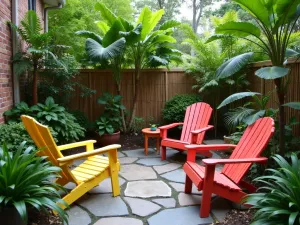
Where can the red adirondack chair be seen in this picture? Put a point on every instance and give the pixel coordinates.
(228, 182)
(195, 124)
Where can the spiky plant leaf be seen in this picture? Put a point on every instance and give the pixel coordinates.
(169, 24)
(293, 105)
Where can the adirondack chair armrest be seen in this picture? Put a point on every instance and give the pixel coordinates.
(261, 160)
(71, 158)
(209, 147)
(89, 145)
(202, 129)
(169, 126)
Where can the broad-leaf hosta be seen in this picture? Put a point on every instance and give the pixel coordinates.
(279, 202)
(26, 181)
(275, 22)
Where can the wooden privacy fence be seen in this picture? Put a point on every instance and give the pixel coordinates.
(157, 86)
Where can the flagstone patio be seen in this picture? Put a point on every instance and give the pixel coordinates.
(152, 193)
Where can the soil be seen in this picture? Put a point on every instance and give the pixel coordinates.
(238, 217)
(41, 218)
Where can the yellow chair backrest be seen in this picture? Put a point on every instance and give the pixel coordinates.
(43, 139)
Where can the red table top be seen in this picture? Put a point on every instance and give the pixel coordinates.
(148, 131)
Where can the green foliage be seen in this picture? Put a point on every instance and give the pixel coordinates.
(175, 108)
(13, 134)
(13, 115)
(26, 181)
(59, 120)
(60, 83)
(280, 201)
(110, 121)
(54, 116)
(81, 119)
(80, 15)
(138, 124)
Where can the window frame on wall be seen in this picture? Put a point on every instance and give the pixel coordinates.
(32, 5)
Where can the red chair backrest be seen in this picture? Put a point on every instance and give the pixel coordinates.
(197, 116)
(254, 140)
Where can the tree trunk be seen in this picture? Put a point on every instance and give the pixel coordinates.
(121, 110)
(34, 85)
(281, 95)
(136, 94)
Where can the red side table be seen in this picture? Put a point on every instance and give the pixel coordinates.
(154, 134)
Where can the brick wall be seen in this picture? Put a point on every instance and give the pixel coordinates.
(6, 85)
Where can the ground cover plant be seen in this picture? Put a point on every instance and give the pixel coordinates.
(26, 182)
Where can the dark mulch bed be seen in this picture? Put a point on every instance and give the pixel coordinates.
(41, 218)
(238, 217)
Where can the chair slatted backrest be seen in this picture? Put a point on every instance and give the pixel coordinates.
(43, 139)
(197, 116)
(254, 140)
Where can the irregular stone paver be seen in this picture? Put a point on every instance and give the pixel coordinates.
(70, 186)
(105, 186)
(166, 202)
(137, 172)
(189, 199)
(176, 176)
(180, 188)
(166, 168)
(120, 154)
(127, 160)
(118, 221)
(104, 205)
(142, 207)
(179, 216)
(77, 216)
(147, 189)
(219, 207)
(152, 162)
(78, 162)
(140, 153)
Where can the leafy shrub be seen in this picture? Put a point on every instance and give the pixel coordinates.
(81, 118)
(28, 183)
(174, 109)
(138, 124)
(54, 116)
(14, 114)
(14, 133)
(281, 202)
(111, 120)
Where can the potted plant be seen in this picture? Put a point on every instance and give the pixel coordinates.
(153, 127)
(25, 183)
(110, 122)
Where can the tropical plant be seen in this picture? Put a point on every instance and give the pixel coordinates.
(37, 49)
(279, 202)
(275, 21)
(111, 120)
(52, 115)
(175, 108)
(138, 125)
(26, 181)
(149, 46)
(249, 112)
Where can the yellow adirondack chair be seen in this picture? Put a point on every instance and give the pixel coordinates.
(88, 174)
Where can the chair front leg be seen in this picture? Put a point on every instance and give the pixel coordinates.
(207, 190)
(188, 185)
(113, 160)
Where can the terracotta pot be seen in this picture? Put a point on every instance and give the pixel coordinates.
(108, 139)
(10, 216)
(227, 139)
